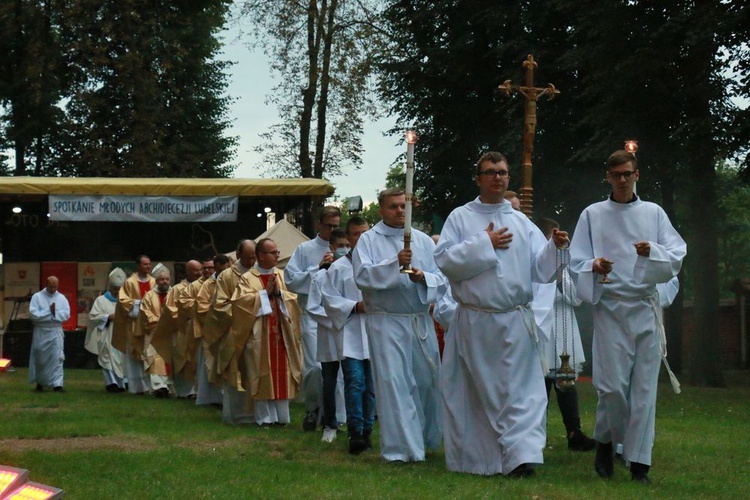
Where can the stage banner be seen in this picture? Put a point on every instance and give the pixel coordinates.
(21, 282)
(121, 208)
(67, 275)
(93, 280)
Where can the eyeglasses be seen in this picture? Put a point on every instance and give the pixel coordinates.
(329, 226)
(625, 175)
(275, 252)
(491, 173)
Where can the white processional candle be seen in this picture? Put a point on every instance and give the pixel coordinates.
(410, 140)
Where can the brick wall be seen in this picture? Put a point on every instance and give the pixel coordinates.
(728, 334)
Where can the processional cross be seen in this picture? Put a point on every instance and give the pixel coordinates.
(531, 94)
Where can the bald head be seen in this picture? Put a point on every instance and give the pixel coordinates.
(52, 283)
(246, 253)
(193, 270)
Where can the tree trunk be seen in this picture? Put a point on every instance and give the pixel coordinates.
(46, 40)
(705, 366)
(17, 113)
(308, 93)
(325, 81)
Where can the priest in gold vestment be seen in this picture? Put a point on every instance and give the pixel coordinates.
(265, 355)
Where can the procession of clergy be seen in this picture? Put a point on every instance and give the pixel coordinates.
(343, 328)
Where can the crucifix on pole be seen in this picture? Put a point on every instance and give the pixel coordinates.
(531, 94)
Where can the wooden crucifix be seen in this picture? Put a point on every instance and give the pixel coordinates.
(531, 94)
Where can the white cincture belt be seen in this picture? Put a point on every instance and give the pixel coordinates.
(398, 315)
(658, 314)
(653, 298)
(528, 322)
(421, 335)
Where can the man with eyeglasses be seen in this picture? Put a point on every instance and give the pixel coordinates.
(207, 270)
(634, 244)
(492, 382)
(267, 320)
(307, 259)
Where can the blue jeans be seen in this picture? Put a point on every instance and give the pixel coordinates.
(359, 395)
(330, 371)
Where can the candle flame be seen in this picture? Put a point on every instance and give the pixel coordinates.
(411, 137)
(631, 146)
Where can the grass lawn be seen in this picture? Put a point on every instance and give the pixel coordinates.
(98, 445)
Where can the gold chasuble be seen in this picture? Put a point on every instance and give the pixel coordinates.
(265, 357)
(171, 338)
(217, 325)
(202, 306)
(148, 318)
(188, 327)
(123, 327)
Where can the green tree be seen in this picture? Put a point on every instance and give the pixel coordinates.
(32, 81)
(148, 96)
(322, 53)
(653, 72)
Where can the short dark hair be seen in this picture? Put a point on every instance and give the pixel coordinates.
(261, 245)
(621, 156)
(221, 259)
(491, 156)
(140, 258)
(387, 193)
(355, 220)
(338, 234)
(328, 211)
(546, 225)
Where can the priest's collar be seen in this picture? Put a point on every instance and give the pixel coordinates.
(384, 229)
(612, 198)
(263, 270)
(490, 208)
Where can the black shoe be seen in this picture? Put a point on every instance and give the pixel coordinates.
(310, 423)
(366, 436)
(639, 473)
(112, 388)
(522, 471)
(357, 444)
(578, 441)
(162, 393)
(604, 462)
(39, 388)
(58, 389)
